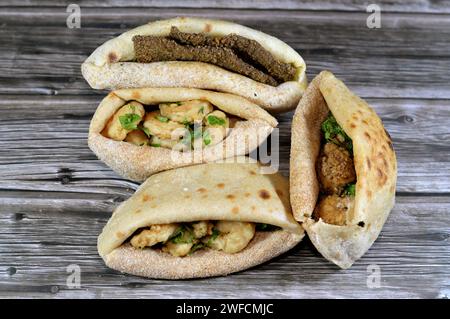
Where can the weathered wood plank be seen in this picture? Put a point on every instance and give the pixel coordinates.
(41, 56)
(340, 5)
(412, 253)
(43, 144)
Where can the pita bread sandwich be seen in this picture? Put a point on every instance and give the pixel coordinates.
(343, 170)
(139, 132)
(200, 221)
(201, 53)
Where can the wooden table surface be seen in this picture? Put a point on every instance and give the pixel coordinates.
(55, 196)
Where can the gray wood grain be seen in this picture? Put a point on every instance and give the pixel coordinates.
(412, 253)
(42, 56)
(50, 152)
(430, 6)
(55, 196)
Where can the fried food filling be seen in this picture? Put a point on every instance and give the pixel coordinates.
(336, 174)
(182, 239)
(232, 52)
(180, 126)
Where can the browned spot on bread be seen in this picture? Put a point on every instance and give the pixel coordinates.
(112, 57)
(187, 196)
(369, 193)
(352, 125)
(355, 116)
(146, 198)
(253, 208)
(204, 195)
(247, 194)
(360, 112)
(279, 192)
(135, 95)
(120, 234)
(252, 172)
(366, 134)
(264, 194)
(220, 185)
(235, 210)
(208, 27)
(369, 164)
(365, 122)
(230, 196)
(390, 145)
(138, 211)
(381, 177)
(201, 190)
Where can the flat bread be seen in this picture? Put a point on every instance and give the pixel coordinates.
(375, 166)
(110, 66)
(235, 191)
(139, 162)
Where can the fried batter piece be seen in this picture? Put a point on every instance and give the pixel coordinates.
(335, 169)
(333, 209)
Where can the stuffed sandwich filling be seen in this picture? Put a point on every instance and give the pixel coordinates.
(180, 126)
(336, 174)
(182, 239)
(232, 52)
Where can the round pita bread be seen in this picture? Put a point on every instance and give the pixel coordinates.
(139, 162)
(215, 191)
(109, 66)
(375, 165)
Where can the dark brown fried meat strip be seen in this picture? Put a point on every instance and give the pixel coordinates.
(153, 49)
(250, 49)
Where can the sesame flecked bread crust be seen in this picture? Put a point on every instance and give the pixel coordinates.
(111, 65)
(375, 165)
(203, 263)
(139, 162)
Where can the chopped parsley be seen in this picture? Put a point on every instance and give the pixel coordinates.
(332, 132)
(214, 120)
(206, 138)
(183, 235)
(155, 145)
(214, 235)
(162, 118)
(145, 130)
(196, 247)
(129, 121)
(350, 190)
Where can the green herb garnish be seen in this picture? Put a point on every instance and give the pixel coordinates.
(214, 120)
(214, 235)
(155, 145)
(129, 121)
(350, 190)
(183, 235)
(202, 109)
(162, 118)
(332, 132)
(196, 247)
(145, 130)
(206, 138)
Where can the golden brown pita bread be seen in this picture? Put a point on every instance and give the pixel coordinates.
(375, 165)
(139, 162)
(109, 66)
(215, 191)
